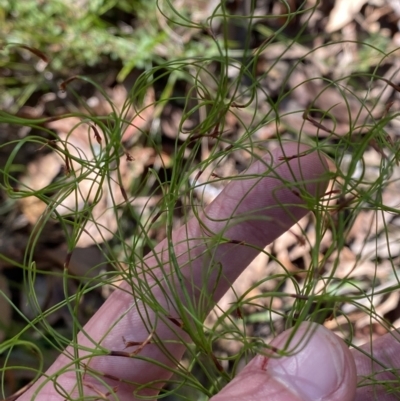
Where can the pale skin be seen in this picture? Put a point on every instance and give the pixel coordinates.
(211, 251)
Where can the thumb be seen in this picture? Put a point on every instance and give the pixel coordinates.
(319, 366)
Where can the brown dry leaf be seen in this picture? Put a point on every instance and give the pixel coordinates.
(346, 111)
(39, 174)
(77, 139)
(290, 238)
(381, 309)
(84, 262)
(387, 246)
(343, 12)
(136, 120)
(139, 119)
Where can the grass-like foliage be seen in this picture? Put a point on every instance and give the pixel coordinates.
(244, 82)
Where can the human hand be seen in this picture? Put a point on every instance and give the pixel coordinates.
(211, 251)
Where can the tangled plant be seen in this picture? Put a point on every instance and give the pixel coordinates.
(217, 155)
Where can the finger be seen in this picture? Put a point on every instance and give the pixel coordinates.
(319, 367)
(378, 369)
(249, 214)
(209, 253)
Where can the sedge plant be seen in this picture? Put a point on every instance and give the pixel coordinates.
(214, 83)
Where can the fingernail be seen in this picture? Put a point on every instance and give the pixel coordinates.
(316, 365)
